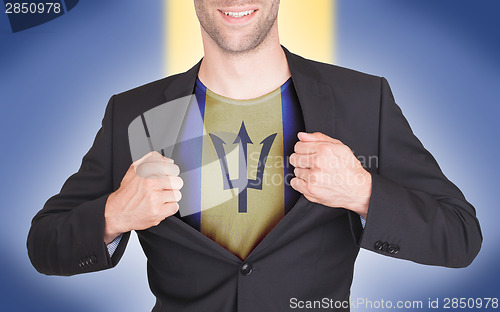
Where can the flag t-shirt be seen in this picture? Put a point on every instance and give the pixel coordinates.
(237, 177)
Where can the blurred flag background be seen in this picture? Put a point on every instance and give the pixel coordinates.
(440, 57)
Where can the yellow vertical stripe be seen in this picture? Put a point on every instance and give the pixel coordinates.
(306, 28)
(183, 46)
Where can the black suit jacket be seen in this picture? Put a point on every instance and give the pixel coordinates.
(415, 212)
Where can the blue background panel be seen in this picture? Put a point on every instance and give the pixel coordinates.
(440, 57)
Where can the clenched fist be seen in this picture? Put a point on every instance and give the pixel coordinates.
(148, 193)
(328, 173)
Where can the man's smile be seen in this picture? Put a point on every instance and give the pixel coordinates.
(237, 16)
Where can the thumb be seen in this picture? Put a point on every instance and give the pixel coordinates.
(315, 137)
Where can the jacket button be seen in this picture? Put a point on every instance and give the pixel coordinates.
(395, 249)
(378, 245)
(82, 263)
(385, 246)
(93, 260)
(390, 249)
(246, 269)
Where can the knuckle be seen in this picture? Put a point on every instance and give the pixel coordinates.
(171, 208)
(168, 183)
(172, 169)
(345, 150)
(148, 183)
(175, 169)
(144, 170)
(154, 157)
(144, 166)
(313, 177)
(325, 149)
(297, 147)
(177, 195)
(302, 161)
(317, 162)
(177, 182)
(311, 189)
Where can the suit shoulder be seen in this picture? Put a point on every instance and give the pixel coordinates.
(350, 87)
(350, 82)
(338, 74)
(149, 90)
(130, 104)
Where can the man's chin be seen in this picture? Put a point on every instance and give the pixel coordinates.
(241, 47)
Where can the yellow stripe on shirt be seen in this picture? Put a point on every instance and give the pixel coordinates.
(240, 232)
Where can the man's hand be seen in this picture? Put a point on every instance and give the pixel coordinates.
(148, 193)
(328, 173)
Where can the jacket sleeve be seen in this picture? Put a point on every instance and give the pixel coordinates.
(415, 212)
(67, 236)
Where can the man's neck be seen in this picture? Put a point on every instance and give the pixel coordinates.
(244, 76)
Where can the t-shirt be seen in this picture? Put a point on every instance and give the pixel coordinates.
(237, 177)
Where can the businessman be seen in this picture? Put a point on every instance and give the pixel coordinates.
(221, 232)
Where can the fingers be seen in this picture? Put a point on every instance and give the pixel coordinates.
(313, 177)
(158, 168)
(301, 186)
(165, 183)
(302, 147)
(170, 196)
(171, 183)
(171, 208)
(303, 161)
(313, 147)
(152, 156)
(316, 137)
(303, 174)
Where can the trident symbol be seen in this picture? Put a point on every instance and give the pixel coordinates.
(243, 182)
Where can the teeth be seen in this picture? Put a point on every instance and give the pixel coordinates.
(239, 14)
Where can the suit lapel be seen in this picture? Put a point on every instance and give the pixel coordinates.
(183, 84)
(158, 128)
(316, 98)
